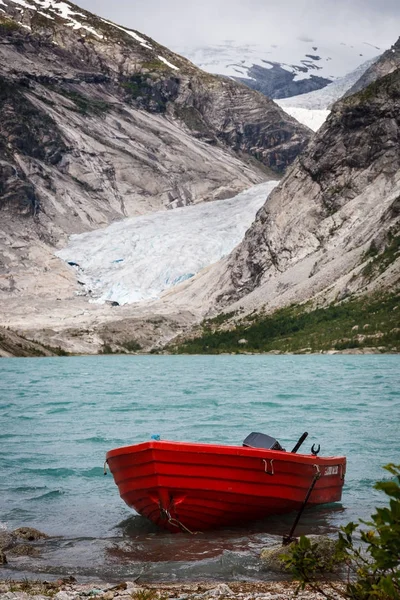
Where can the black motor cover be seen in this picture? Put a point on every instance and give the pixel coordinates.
(261, 440)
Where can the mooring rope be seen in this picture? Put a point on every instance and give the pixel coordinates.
(176, 522)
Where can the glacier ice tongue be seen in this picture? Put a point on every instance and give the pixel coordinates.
(138, 258)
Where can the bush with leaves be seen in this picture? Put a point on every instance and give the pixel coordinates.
(373, 569)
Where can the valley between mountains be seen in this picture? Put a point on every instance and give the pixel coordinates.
(198, 208)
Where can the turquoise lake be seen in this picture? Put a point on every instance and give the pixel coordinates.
(59, 416)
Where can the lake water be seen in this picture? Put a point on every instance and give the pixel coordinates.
(59, 416)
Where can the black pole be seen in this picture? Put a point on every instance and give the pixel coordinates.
(287, 539)
(299, 443)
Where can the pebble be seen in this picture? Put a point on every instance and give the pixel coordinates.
(127, 591)
(63, 595)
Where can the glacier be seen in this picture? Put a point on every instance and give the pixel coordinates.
(302, 57)
(314, 108)
(137, 259)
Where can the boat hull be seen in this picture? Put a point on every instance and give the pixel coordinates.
(195, 487)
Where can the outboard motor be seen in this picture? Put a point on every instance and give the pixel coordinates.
(261, 440)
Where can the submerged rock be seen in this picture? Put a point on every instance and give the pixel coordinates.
(23, 550)
(271, 558)
(8, 542)
(29, 533)
(5, 540)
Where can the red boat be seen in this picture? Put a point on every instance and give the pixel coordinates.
(194, 487)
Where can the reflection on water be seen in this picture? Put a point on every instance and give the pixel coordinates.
(139, 549)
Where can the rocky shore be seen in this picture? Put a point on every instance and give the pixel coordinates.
(70, 589)
(22, 542)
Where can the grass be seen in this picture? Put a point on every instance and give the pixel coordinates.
(84, 105)
(22, 346)
(191, 117)
(380, 261)
(7, 26)
(132, 346)
(356, 323)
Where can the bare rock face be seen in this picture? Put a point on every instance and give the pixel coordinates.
(276, 82)
(340, 198)
(99, 123)
(115, 124)
(386, 64)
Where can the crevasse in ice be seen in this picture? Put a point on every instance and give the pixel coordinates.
(138, 258)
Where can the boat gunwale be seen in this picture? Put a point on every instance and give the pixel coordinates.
(207, 449)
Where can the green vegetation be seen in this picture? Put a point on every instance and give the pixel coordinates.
(148, 595)
(34, 587)
(191, 117)
(39, 21)
(154, 65)
(106, 349)
(151, 91)
(132, 346)
(18, 345)
(382, 260)
(373, 571)
(7, 26)
(355, 323)
(85, 105)
(387, 85)
(121, 348)
(136, 86)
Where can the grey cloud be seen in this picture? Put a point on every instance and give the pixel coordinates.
(182, 22)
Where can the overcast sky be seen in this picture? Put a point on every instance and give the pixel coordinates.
(186, 22)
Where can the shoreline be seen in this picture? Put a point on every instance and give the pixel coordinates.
(70, 589)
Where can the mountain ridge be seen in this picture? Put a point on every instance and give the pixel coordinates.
(96, 127)
(291, 68)
(330, 231)
(109, 138)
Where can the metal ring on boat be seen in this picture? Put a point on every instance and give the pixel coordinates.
(266, 466)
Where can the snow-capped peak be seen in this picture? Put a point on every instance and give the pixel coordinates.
(84, 21)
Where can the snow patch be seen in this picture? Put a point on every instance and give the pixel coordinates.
(164, 60)
(62, 10)
(75, 25)
(138, 258)
(45, 15)
(24, 4)
(134, 35)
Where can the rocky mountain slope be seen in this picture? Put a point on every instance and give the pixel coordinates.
(388, 62)
(328, 235)
(331, 228)
(99, 122)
